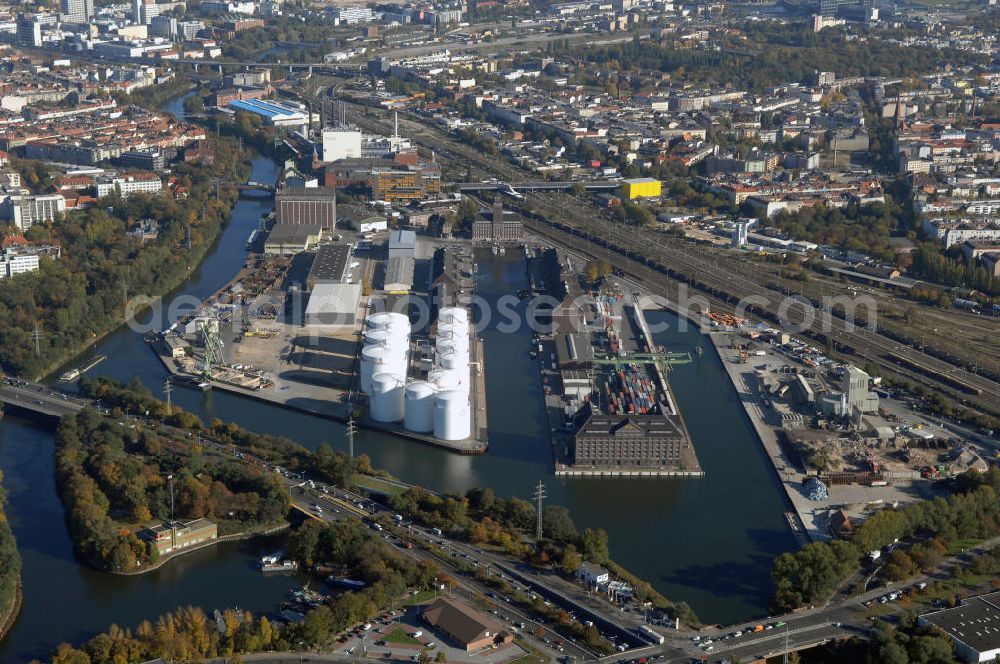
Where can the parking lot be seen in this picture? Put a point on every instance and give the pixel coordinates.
(394, 637)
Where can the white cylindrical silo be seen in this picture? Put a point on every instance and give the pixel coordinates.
(453, 360)
(419, 406)
(381, 359)
(379, 337)
(387, 397)
(385, 319)
(452, 415)
(373, 359)
(458, 338)
(451, 314)
(456, 327)
(391, 337)
(458, 345)
(444, 379)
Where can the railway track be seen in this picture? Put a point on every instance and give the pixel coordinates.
(665, 268)
(664, 265)
(435, 140)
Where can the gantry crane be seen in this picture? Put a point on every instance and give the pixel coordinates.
(213, 345)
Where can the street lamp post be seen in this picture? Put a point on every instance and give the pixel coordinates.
(171, 479)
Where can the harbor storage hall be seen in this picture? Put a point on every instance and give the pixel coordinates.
(333, 304)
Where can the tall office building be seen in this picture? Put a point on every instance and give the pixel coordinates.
(143, 11)
(163, 26)
(76, 11)
(29, 31)
(188, 30)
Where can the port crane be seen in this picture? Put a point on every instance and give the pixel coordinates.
(664, 358)
(213, 346)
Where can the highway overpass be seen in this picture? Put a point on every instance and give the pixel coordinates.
(39, 399)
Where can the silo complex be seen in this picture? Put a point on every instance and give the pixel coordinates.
(452, 412)
(439, 405)
(386, 348)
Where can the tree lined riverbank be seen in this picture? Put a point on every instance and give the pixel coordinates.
(10, 569)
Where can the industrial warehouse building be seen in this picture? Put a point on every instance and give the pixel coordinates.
(651, 440)
(402, 244)
(974, 627)
(333, 304)
(271, 113)
(641, 188)
(285, 240)
(329, 265)
(398, 275)
(306, 205)
(467, 627)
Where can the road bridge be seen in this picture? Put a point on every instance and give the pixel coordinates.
(39, 400)
(255, 186)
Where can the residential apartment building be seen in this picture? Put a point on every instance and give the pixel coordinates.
(12, 263)
(29, 32)
(76, 11)
(163, 26)
(188, 30)
(126, 185)
(24, 211)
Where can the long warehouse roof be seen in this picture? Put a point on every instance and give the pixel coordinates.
(270, 109)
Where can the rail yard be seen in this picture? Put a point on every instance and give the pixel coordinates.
(725, 279)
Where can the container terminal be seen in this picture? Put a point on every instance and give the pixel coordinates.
(319, 320)
(610, 405)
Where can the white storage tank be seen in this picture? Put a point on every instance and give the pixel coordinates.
(387, 397)
(456, 328)
(383, 337)
(455, 337)
(452, 346)
(452, 314)
(380, 359)
(385, 319)
(452, 415)
(454, 361)
(444, 379)
(419, 406)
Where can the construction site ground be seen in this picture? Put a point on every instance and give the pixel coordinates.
(855, 499)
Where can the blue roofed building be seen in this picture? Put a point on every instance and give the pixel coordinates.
(272, 113)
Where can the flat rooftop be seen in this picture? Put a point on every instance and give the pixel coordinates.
(293, 234)
(306, 193)
(976, 623)
(330, 263)
(333, 303)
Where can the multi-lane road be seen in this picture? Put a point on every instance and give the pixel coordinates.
(39, 398)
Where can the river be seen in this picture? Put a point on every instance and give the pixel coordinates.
(707, 541)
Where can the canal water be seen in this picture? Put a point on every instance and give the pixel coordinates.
(707, 541)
